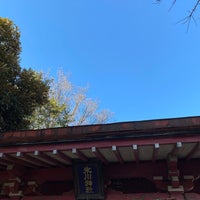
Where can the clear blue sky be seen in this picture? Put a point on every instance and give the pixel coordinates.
(137, 60)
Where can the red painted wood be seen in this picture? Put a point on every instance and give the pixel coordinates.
(99, 144)
(178, 196)
(114, 195)
(99, 156)
(19, 161)
(118, 156)
(136, 155)
(193, 151)
(49, 198)
(155, 154)
(35, 160)
(64, 157)
(12, 198)
(50, 174)
(86, 131)
(129, 170)
(190, 167)
(81, 155)
(66, 196)
(192, 196)
(51, 159)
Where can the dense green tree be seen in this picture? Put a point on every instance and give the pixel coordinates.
(52, 114)
(27, 100)
(21, 90)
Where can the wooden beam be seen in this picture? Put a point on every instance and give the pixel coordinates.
(192, 152)
(52, 174)
(3, 161)
(176, 148)
(79, 154)
(99, 156)
(133, 170)
(136, 153)
(50, 159)
(155, 152)
(19, 161)
(62, 156)
(35, 160)
(102, 144)
(29, 159)
(117, 154)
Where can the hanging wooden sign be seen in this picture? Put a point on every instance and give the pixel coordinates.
(88, 180)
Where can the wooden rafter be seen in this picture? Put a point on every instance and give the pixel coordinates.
(155, 152)
(193, 151)
(79, 154)
(176, 148)
(50, 159)
(35, 160)
(117, 154)
(62, 156)
(32, 160)
(17, 160)
(3, 161)
(136, 153)
(98, 154)
(101, 144)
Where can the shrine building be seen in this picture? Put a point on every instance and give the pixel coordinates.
(139, 160)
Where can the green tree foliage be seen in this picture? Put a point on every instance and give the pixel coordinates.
(27, 100)
(68, 105)
(21, 90)
(52, 114)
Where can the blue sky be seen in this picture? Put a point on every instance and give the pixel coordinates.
(137, 60)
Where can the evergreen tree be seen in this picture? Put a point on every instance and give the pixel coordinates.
(21, 90)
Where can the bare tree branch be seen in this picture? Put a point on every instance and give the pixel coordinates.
(190, 17)
(172, 5)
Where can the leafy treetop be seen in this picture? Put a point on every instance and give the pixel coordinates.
(21, 90)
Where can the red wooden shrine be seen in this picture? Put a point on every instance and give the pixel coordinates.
(142, 160)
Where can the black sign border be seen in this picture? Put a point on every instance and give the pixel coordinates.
(100, 194)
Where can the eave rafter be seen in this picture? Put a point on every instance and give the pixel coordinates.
(98, 154)
(117, 154)
(47, 158)
(155, 152)
(62, 156)
(35, 160)
(19, 161)
(3, 161)
(193, 151)
(79, 154)
(36, 157)
(122, 151)
(176, 148)
(21, 156)
(99, 144)
(136, 153)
